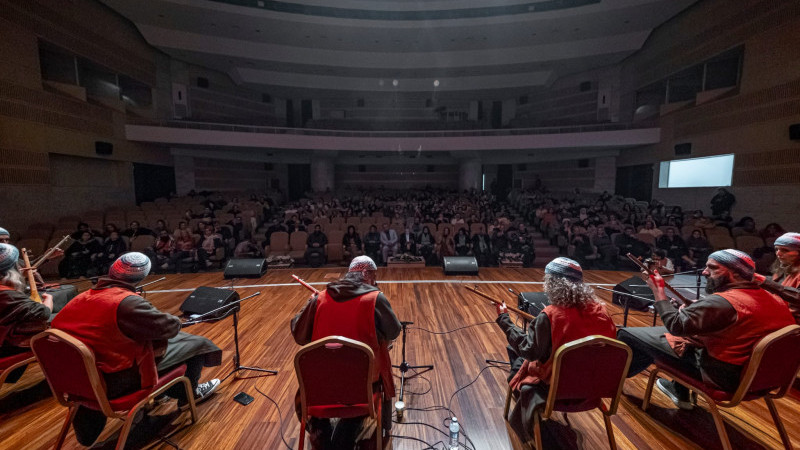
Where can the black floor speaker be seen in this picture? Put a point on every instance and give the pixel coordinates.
(532, 302)
(245, 268)
(205, 299)
(635, 286)
(460, 265)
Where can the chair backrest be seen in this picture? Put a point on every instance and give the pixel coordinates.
(773, 365)
(142, 242)
(297, 240)
(575, 360)
(334, 372)
(70, 369)
(279, 241)
(748, 243)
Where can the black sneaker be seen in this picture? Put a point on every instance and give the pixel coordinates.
(205, 390)
(668, 388)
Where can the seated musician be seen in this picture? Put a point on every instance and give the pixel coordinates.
(337, 312)
(573, 313)
(20, 317)
(61, 294)
(785, 280)
(712, 338)
(132, 341)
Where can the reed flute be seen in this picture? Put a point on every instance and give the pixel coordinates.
(305, 285)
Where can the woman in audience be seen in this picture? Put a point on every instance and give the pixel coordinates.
(426, 245)
(184, 248)
(446, 245)
(113, 248)
(351, 242)
(462, 242)
(80, 257)
(164, 248)
(650, 228)
(698, 246)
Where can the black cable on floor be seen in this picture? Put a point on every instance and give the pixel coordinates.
(280, 416)
(450, 331)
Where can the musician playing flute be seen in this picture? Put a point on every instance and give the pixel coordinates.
(20, 317)
(573, 313)
(785, 280)
(355, 308)
(723, 326)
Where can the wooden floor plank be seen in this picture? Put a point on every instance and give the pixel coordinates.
(30, 419)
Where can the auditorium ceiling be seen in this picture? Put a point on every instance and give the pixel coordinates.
(451, 48)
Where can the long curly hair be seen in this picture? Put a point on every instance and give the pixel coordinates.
(13, 279)
(567, 293)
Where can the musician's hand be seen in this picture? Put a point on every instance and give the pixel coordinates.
(47, 300)
(656, 284)
(501, 308)
(759, 279)
(56, 253)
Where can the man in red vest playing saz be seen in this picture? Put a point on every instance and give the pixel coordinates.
(573, 314)
(352, 307)
(724, 327)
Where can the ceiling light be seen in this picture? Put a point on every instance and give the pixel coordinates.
(436, 83)
(395, 83)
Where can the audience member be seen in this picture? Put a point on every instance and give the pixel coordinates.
(389, 242)
(315, 247)
(351, 242)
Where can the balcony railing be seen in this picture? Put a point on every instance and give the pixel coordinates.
(346, 133)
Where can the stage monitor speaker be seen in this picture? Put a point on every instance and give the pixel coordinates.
(245, 268)
(794, 132)
(103, 148)
(635, 286)
(532, 302)
(460, 265)
(205, 299)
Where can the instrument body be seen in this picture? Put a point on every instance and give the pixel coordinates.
(649, 272)
(29, 274)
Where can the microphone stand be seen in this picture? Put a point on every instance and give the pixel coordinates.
(627, 307)
(237, 367)
(405, 367)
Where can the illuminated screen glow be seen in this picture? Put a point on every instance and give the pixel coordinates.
(711, 171)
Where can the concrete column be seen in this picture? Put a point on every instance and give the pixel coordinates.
(605, 174)
(184, 174)
(469, 174)
(322, 173)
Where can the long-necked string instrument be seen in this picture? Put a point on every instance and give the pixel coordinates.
(305, 285)
(521, 313)
(29, 273)
(649, 272)
(41, 260)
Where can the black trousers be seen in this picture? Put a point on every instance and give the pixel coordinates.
(648, 343)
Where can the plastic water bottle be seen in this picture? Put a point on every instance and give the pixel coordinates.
(454, 428)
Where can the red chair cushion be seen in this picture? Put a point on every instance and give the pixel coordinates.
(576, 405)
(697, 384)
(9, 361)
(127, 402)
(344, 411)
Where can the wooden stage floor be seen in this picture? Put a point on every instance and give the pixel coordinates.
(31, 419)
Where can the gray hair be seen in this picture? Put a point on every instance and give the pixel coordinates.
(14, 279)
(568, 293)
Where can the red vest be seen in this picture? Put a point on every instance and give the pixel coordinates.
(758, 313)
(566, 325)
(793, 281)
(355, 319)
(91, 317)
